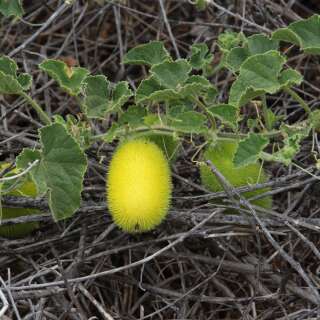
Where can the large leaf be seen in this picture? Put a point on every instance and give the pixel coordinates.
(149, 54)
(60, 171)
(259, 74)
(256, 44)
(69, 78)
(250, 149)
(304, 33)
(11, 8)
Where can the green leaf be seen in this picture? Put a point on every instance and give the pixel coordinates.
(11, 8)
(100, 99)
(25, 81)
(170, 75)
(197, 86)
(229, 40)
(10, 83)
(200, 56)
(260, 43)
(60, 171)
(24, 159)
(96, 90)
(304, 33)
(149, 54)
(249, 149)
(112, 133)
(226, 113)
(134, 116)
(8, 66)
(259, 74)
(256, 44)
(189, 122)
(121, 94)
(69, 78)
(150, 90)
(293, 135)
(290, 77)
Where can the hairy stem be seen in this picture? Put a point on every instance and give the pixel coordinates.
(43, 116)
(297, 98)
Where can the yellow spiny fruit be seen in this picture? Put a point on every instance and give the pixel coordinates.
(138, 186)
(26, 188)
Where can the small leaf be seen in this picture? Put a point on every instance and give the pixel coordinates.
(304, 33)
(121, 94)
(293, 135)
(229, 40)
(249, 149)
(149, 54)
(200, 56)
(61, 169)
(198, 86)
(226, 113)
(11, 8)
(290, 77)
(150, 90)
(10, 83)
(258, 74)
(170, 75)
(69, 78)
(236, 58)
(134, 116)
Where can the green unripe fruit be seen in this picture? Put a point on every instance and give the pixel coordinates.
(19, 230)
(221, 155)
(168, 144)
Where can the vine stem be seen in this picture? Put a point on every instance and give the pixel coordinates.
(43, 116)
(166, 130)
(297, 98)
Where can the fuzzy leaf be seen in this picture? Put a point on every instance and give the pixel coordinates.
(120, 95)
(200, 56)
(293, 135)
(189, 122)
(96, 90)
(304, 33)
(258, 74)
(170, 75)
(249, 149)
(69, 78)
(11, 8)
(256, 44)
(226, 113)
(10, 83)
(290, 77)
(134, 116)
(149, 54)
(60, 171)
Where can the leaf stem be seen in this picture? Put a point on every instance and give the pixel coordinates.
(208, 114)
(43, 116)
(297, 98)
